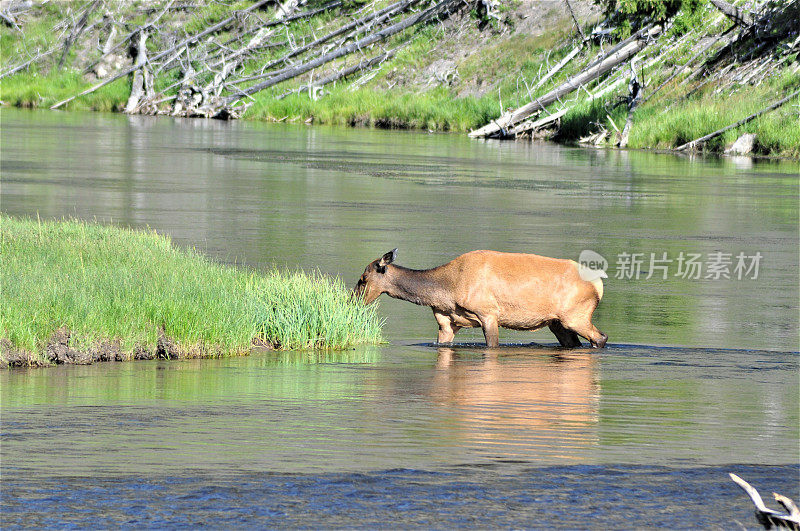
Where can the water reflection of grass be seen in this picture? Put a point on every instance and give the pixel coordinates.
(120, 290)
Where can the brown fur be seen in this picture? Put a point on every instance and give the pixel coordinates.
(492, 289)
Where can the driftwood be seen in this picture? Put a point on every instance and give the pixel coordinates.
(530, 126)
(743, 121)
(184, 42)
(614, 57)
(344, 50)
(768, 517)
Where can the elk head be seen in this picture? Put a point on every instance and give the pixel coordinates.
(373, 281)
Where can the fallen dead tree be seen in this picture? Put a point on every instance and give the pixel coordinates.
(209, 83)
(349, 71)
(693, 143)
(614, 57)
(167, 52)
(381, 35)
(376, 17)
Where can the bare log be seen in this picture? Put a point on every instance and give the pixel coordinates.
(287, 8)
(158, 56)
(743, 121)
(231, 62)
(76, 31)
(732, 12)
(363, 65)
(595, 70)
(252, 46)
(345, 50)
(538, 124)
(27, 63)
(633, 101)
(9, 20)
(138, 86)
(561, 64)
(575, 20)
(678, 70)
(108, 49)
(377, 16)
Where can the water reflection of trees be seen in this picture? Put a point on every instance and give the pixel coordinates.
(521, 402)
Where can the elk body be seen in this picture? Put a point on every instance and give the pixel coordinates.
(491, 289)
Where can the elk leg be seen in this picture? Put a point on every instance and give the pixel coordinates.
(567, 338)
(590, 332)
(490, 331)
(447, 330)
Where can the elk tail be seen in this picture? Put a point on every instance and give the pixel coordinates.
(598, 286)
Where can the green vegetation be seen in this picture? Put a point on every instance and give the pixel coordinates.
(777, 132)
(108, 285)
(435, 109)
(34, 90)
(626, 14)
(441, 80)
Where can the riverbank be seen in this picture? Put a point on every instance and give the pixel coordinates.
(76, 292)
(458, 74)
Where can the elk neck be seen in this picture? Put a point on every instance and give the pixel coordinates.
(427, 287)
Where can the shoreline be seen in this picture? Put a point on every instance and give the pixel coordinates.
(78, 292)
(459, 73)
(755, 156)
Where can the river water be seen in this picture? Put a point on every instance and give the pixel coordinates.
(700, 377)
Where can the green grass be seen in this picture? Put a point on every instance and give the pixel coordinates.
(503, 70)
(34, 90)
(435, 109)
(777, 132)
(110, 284)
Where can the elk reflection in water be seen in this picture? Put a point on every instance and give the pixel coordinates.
(516, 400)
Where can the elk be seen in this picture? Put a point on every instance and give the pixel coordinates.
(490, 289)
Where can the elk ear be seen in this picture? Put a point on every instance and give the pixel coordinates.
(388, 258)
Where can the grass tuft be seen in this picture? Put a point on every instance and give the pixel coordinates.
(107, 284)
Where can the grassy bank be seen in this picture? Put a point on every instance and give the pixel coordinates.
(122, 294)
(453, 75)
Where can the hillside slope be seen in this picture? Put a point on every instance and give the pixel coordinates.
(445, 66)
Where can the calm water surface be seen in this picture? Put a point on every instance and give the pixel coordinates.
(701, 377)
